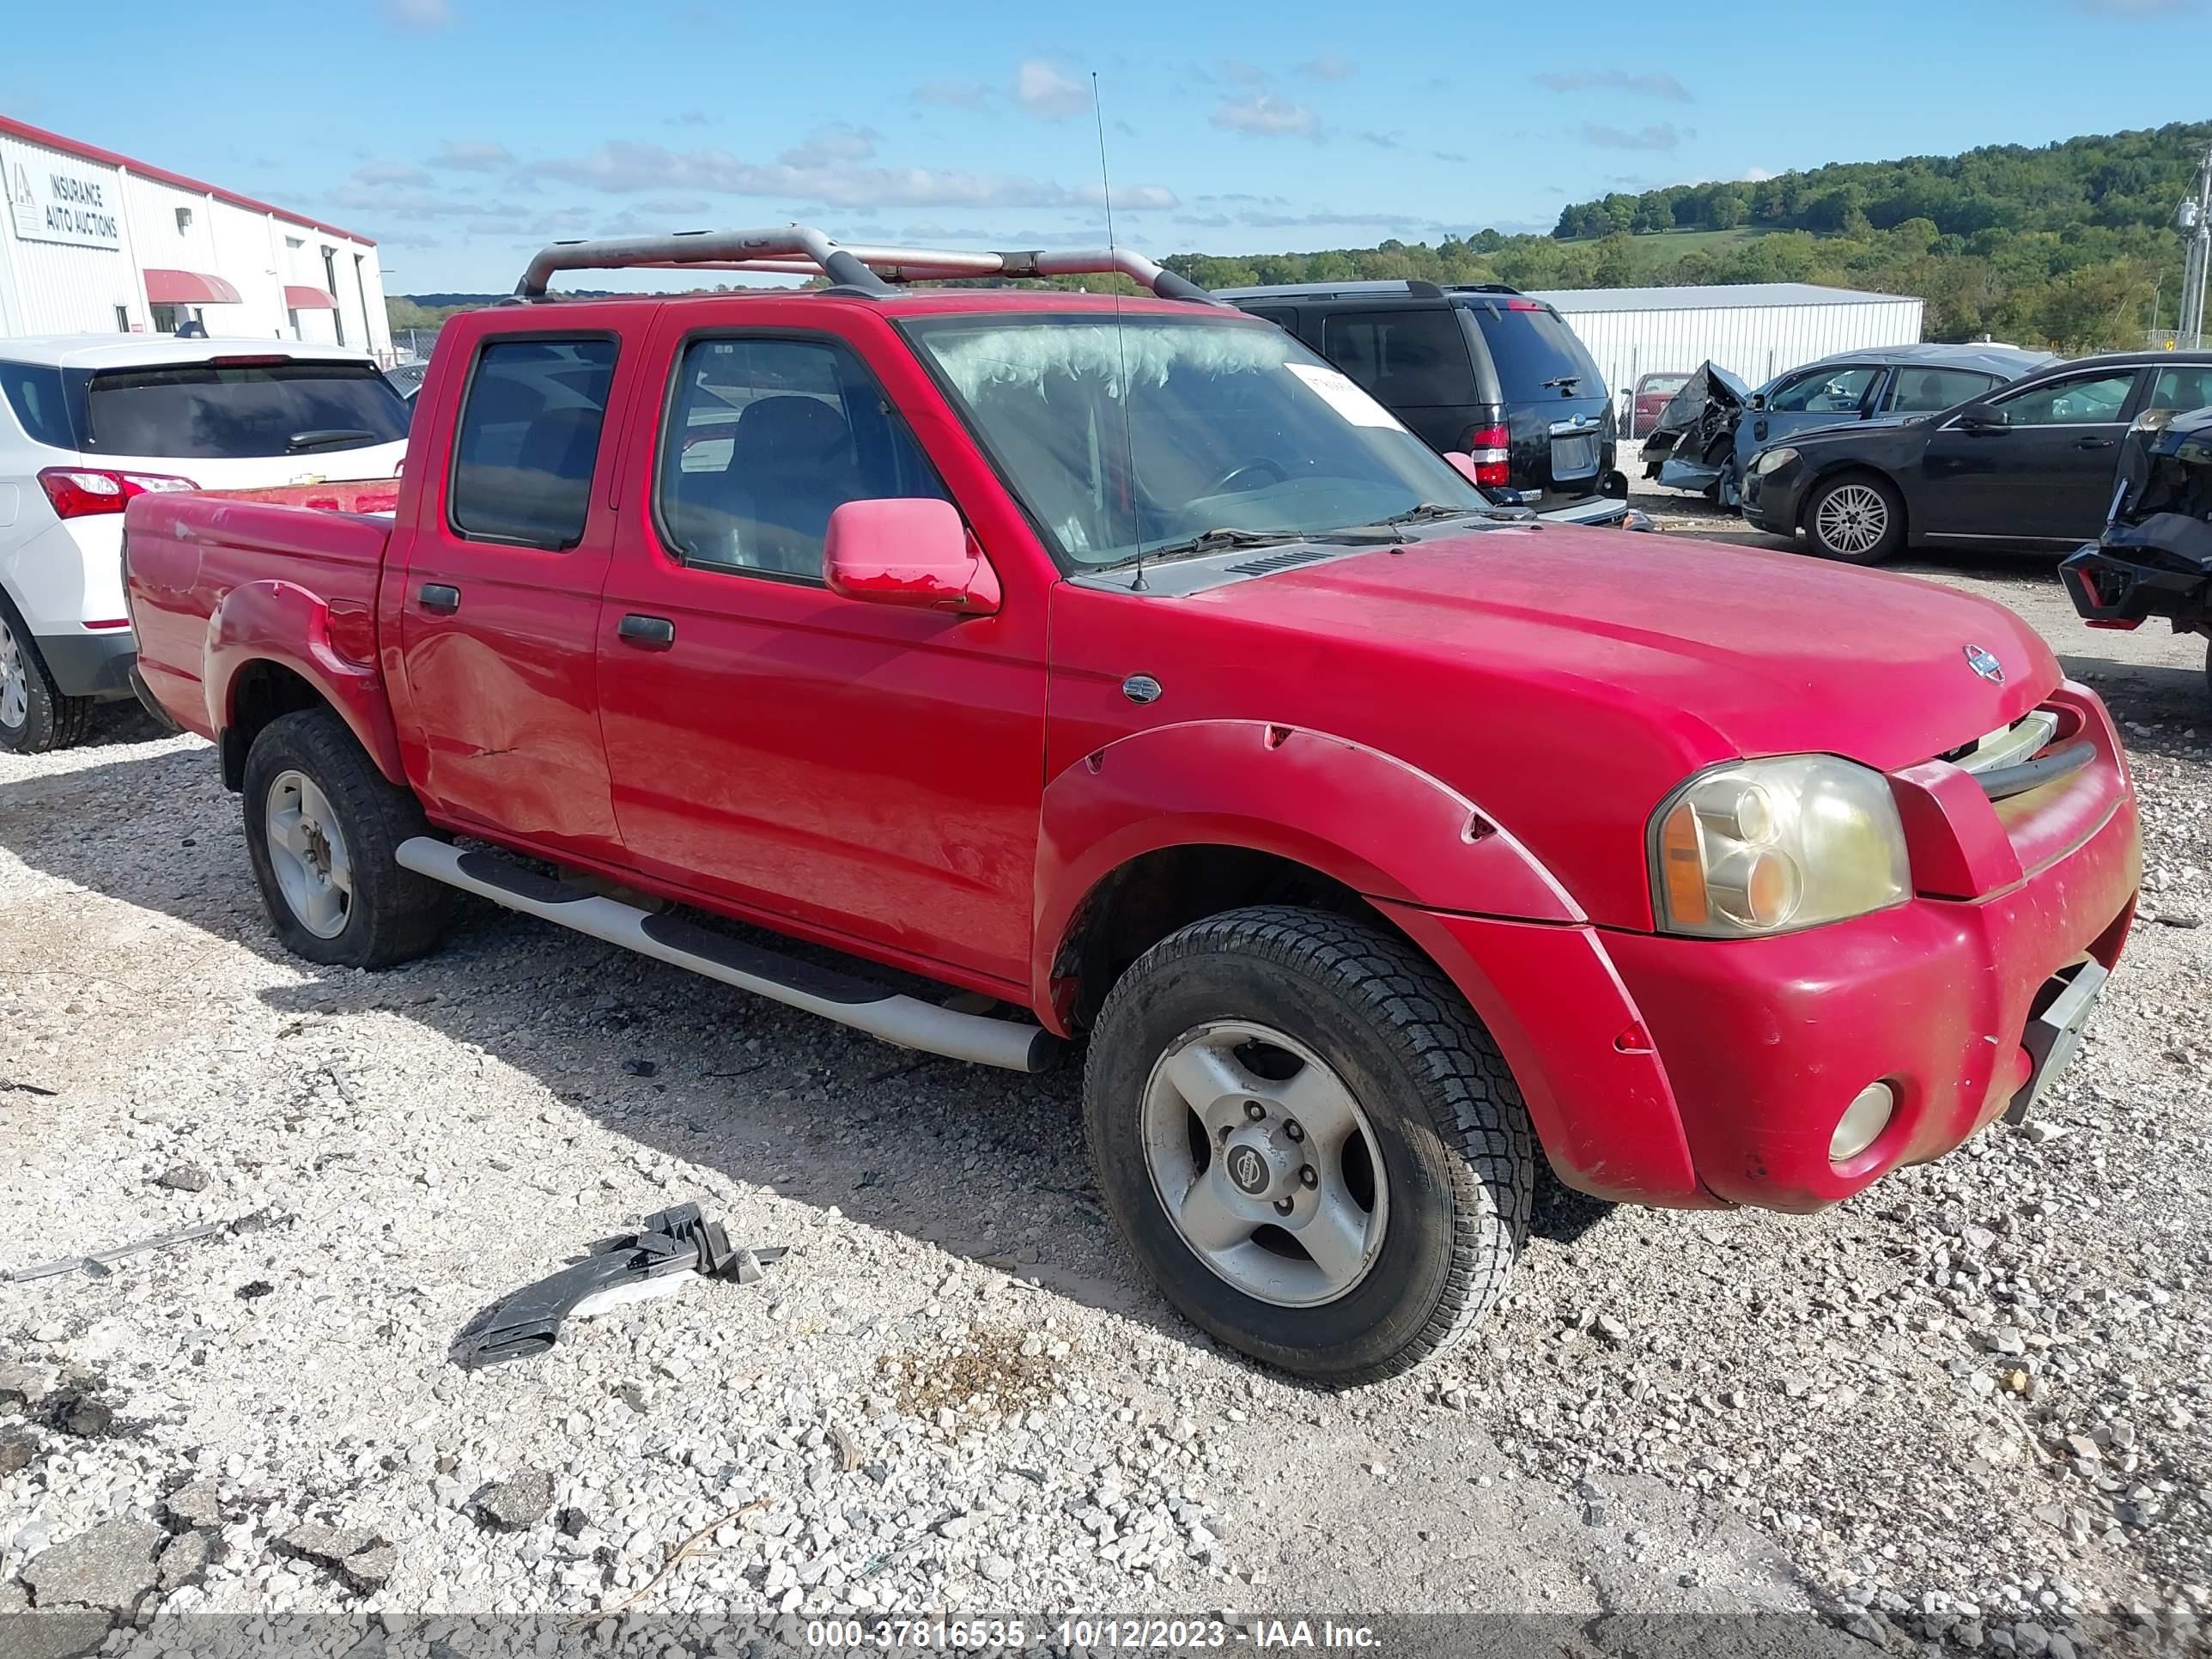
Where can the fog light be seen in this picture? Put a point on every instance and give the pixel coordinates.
(1864, 1119)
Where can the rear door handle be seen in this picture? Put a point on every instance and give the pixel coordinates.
(2092, 443)
(653, 633)
(440, 597)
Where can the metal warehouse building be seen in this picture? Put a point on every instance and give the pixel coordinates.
(96, 242)
(1755, 329)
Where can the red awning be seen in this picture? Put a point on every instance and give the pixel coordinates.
(188, 288)
(308, 299)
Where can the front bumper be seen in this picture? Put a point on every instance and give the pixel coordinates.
(1775, 501)
(90, 663)
(1693, 1072)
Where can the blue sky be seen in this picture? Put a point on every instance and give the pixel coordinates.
(462, 134)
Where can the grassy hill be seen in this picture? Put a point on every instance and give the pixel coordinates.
(2069, 245)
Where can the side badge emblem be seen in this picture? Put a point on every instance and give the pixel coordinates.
(1985, 664)
(1141, 688)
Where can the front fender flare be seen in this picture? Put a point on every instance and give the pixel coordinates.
(284, 623)
(1384, 829)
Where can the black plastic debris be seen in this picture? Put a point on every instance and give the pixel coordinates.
(673, 1241)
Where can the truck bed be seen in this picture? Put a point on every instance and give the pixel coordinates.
(315, 547)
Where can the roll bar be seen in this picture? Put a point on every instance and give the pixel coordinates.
(803, 251)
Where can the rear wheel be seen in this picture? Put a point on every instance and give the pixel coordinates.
(1309, 1141)
(35, 717)
(322, 825)
(1857, 518)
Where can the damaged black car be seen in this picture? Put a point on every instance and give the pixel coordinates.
(2155, 558)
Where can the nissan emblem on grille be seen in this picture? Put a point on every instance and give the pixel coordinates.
(1985, 664)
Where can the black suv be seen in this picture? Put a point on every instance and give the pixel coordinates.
(1476, 367)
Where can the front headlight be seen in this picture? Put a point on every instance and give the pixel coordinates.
(1771, 846)
(1772, 460)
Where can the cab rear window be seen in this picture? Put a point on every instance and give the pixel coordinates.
(240, 411)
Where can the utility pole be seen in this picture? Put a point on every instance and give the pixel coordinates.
(2194, 220)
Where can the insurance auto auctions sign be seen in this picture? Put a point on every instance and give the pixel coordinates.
(58, 202)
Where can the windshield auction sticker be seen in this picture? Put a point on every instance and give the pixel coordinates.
(1337, 390)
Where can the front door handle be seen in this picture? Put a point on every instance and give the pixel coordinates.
(438, 597)
(652, 633)
(2092, 443)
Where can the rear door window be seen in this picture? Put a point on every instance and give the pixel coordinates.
(226, 411)
(1533, 346)
(1408, 359)
(529, 441)
(1924, 391)
(2176, 390)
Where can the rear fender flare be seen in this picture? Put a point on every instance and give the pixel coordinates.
(1386, 830)
(283, 623)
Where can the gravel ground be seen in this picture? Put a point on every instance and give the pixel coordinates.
(1970, 1408)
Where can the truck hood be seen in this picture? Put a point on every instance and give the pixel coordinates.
(1729, 651)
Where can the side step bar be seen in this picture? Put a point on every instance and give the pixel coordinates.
(905, 1021)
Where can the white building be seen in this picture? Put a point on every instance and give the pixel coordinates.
(95, 242)
(1756, 330)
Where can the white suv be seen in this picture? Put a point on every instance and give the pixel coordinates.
(89, 421)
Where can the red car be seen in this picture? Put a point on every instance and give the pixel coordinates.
(1653, 393)
(1123, 662)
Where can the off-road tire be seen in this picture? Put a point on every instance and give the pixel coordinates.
(1454, 1134)
(395, 915)
(50, 720)
(1891, 541)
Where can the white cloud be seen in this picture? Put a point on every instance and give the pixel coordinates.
(1329, 66)
(1661, 135)
(472, 157)
(954, 94)
(1654, 84)
(1754, 175)
(833, 168)
(1041, 88)
(419, 13)
(1265, 116)
(392, 175)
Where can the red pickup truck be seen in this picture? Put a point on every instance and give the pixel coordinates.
(1120, 660)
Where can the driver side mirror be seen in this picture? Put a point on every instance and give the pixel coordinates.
(1982, 417)
(1758, 401)
(915, 553)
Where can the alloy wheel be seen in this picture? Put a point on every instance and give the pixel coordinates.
(307, 851)
(1851, 520)
(1265, 1163)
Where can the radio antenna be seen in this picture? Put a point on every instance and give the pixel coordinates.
(1121, 341)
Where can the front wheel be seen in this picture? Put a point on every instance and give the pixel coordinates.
(1309, 1141)
(322, 825)
(1857, 518)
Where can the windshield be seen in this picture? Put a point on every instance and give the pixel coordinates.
(1122, 437)
(235, 412)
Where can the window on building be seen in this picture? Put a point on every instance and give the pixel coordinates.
(529, 440)
(166, 319)
(123, 319)
(767, 437)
